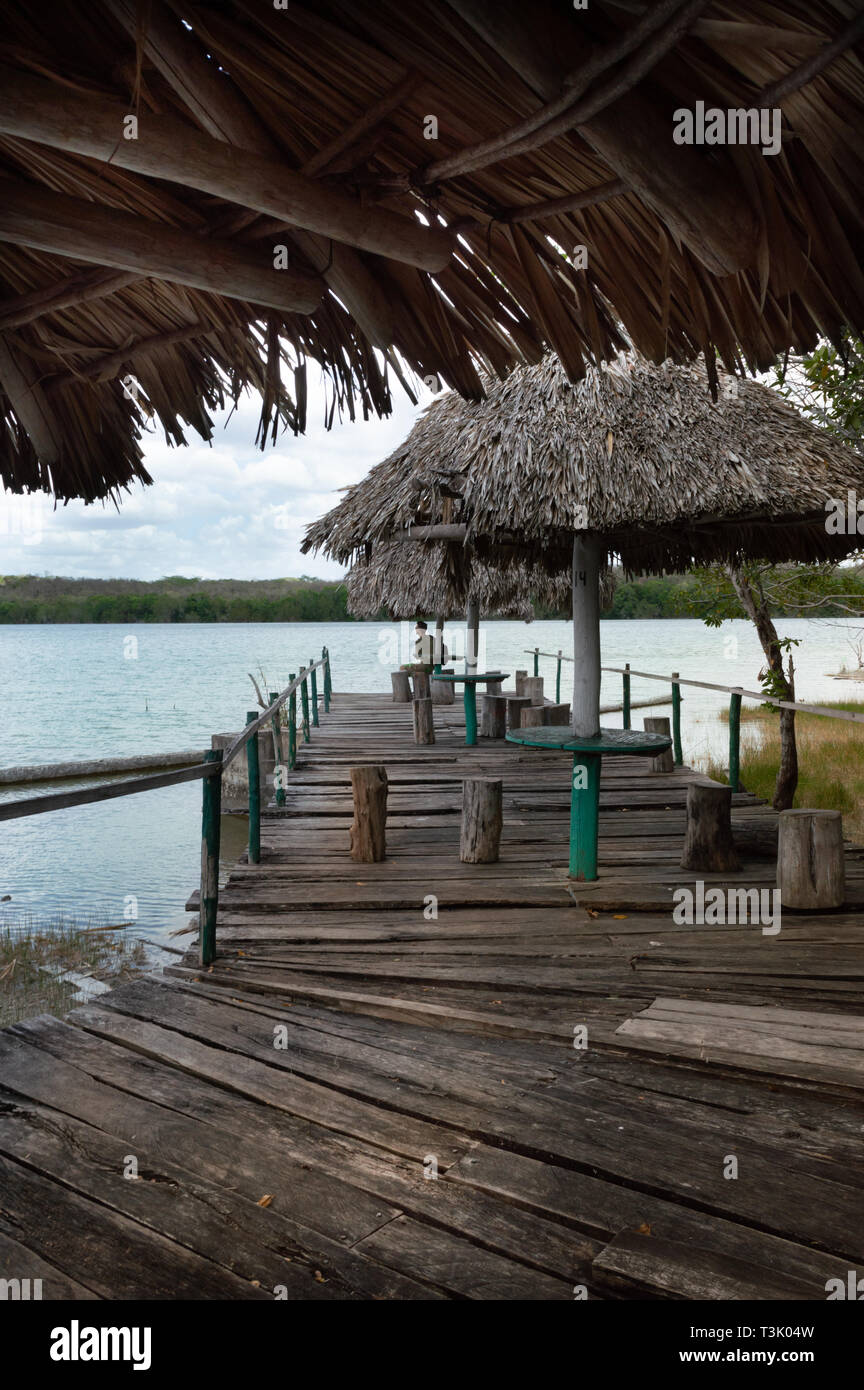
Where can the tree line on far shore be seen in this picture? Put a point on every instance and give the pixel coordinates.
(35, 599)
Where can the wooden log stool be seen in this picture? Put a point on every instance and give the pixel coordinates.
(424, 728)
(664, 762)
(421, 685)
(368, 837)
(480, 836)
(515, 706)
(533, 716)
(494, 723)
(442, 692)
(532, 686)
(810, 869)
(521, 678)
(708, 843)
(401, 681)
(557, 714)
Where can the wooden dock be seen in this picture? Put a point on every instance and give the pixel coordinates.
(362, 1099)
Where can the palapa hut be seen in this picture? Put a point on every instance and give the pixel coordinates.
(200, 197)
(634, 461)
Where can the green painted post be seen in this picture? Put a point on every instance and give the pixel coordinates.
(470, 702)
(734, 740)
(211, 826)
(328, 691)
(558, 680)
(677, 755)
(625, 681)
(292, 726)
(277, 744)
(254, 793)
(304, 702)
(536, 661)
(314, 678)
(584, 813)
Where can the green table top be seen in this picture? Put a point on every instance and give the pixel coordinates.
(632, 741)
(486, 676)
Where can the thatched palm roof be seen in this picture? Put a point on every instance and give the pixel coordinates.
(305, 125)
(636, 452)
(408, 581)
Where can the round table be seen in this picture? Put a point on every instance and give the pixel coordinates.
(470, 697)
(585, 780)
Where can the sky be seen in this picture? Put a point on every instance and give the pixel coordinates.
(223, 510)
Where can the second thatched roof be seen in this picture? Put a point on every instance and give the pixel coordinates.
(636, 452)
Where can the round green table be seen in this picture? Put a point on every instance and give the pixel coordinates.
(470, 697)
(585, 779)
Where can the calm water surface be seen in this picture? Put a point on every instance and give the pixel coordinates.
(90, 691)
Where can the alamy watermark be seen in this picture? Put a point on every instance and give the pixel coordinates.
(735, 126)
(718, 907)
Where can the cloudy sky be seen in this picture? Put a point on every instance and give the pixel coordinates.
(219, 511)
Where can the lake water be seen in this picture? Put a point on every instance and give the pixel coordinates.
(91, 691)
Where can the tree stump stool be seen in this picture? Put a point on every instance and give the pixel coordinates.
(442, 692)
(708, 843)
(401, 681)
(533, 716)
(424, 728)
(368, 837)
(532, 686)
(421, 685)
(480, 836)
(515, 706)
(664, 762)
(810, 869)
(521, 678)
(494, 716)
(557, 714)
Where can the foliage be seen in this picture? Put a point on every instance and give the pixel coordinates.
(827, 385)
(34, 599)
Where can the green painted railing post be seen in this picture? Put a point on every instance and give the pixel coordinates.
(328, 690)
(558, 680)
(625, 681)
(211, 825)
(304, 702)
(314, 678)
(734, 740)
(254, 793)
(277, 745)
(536, 661)
(292, 727)
(677, 754)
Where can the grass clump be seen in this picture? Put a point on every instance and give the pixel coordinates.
(45, 966)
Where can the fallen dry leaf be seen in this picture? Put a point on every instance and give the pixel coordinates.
(265, 1200)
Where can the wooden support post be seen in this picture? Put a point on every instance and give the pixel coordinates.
(735, 741)
(368, 829)
(659, 724)
(708, 843)
(438, 649)
(532, 686)
(421, 685)
(494, 716)
(586, 634)
(676, 721)
(557, 714)
(277, 749)
(328, 688)
(558, 679)
(472, 617)
(810, 869)
(469, 702)
(401, 682)
(625, 697)
(313, 675)
(292, 726)
(211, 824)
(424, 727)
(536, 661)
(254, 792)
(515, 706)
(482, 819)
(534, 716)
(584, 813)
(304, 702)
(521, 677)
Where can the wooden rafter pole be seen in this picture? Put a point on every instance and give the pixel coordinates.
(50, 299)
(104, 368)
(34, 216)
(20, 383)
(32, 108)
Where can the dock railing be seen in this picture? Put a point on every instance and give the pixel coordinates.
(209, 772)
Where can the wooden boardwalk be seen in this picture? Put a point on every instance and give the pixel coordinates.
(289, 1108)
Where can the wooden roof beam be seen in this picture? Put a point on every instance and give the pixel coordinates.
(107, 367)
(701, 203)
(34, 216)
(32, 108)
(20, 381)
(62, 294)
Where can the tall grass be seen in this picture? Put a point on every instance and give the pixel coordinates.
(830, 761)
(45, 965)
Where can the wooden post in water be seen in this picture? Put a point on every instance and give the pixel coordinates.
(313, 674)
(625, 700)
(676, 721)
(304, 702)
(734, 740)
(292, 726)
(254, 793)
(277, 748)
(211, 825)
